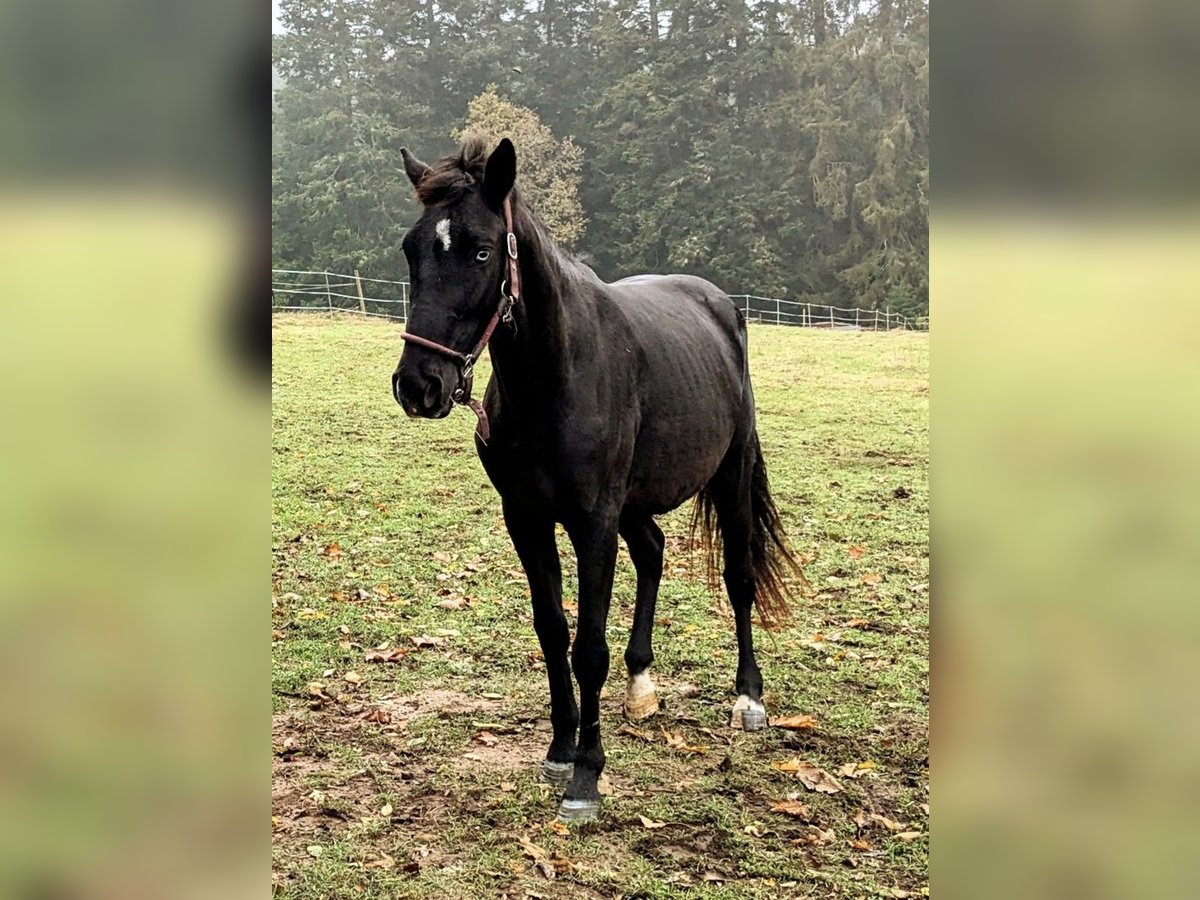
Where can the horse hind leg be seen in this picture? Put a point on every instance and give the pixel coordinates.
(645, 541)
(729, 491)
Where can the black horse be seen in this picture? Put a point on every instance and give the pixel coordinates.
(609, 404)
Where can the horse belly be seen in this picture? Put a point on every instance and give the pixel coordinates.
(668, 469)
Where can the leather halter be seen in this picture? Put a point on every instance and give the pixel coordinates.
(510, 293)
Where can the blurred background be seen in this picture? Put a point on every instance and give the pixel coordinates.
(134, 430)
(134, 487)
(1066, 356)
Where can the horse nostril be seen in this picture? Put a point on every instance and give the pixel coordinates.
(433, 394)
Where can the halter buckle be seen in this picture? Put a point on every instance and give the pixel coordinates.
(512, 246)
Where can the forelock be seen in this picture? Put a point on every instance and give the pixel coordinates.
(451, 175)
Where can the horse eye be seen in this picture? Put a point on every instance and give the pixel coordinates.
(483, 256)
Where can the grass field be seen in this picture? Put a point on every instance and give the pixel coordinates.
(415, 774)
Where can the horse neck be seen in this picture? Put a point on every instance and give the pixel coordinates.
(534, 359)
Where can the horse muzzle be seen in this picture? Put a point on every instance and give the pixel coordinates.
(421, 396)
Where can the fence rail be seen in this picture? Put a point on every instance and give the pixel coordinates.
(293, 289)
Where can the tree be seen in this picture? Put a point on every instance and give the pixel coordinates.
(548, 168)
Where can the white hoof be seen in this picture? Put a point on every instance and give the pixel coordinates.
(641, 701)
(748, 715)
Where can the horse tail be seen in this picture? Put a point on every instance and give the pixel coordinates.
(773, 563)
(773, 560)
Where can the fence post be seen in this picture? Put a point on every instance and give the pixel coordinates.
(328, 296)
(831, 326)
(362, 303)
(875, 324)
(856, 317)
(777, 322)
(404, 300)
(807, 313)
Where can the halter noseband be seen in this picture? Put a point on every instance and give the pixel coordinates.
(510, 293)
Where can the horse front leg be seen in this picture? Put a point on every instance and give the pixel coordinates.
(595, 545)
(533, 538)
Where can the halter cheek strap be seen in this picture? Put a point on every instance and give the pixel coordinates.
(510, 293)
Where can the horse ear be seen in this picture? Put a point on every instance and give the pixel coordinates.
(500, 173)
(413, 167)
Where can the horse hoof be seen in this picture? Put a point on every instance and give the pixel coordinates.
(578, 811)
(748, 715)
(641, 701)
(754, 719)
(558, 774)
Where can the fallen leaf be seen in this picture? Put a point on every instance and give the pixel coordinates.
(793, 723)
(909, 836)
(315, 850)
(487, 739)
(534, 852)
(753, 831)
(276, 634)
(378, 714)
(560, 828)
(714, 876)
(384, 862)
(276, 823)
(872, 579)
(887, 823)
(394, 655)
(650, 823)
(856, 552)
(810, 776)
(626, 728)
(442, 556)
(427, 640)
(792, 808)
(308, 614)
(856, 623)
(925, 808)
(352, 677)
(474, 757)
(677, 742)
(900, 893)
(316, 689)
(507, 786)
(856, 770)
(332, 551)
(453, 603)
(385, 810)
(860, 845)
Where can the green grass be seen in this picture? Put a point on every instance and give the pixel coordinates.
(844, 425)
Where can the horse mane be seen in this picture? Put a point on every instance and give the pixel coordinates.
(453, 174)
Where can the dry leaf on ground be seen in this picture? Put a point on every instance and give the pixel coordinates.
(427, 640)
(393, 655)
(793, 723)
(677, 742)
(815, 836)
(792, 808)
(626, 728)
(650, 823)
(856, 770)
(812, 777)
